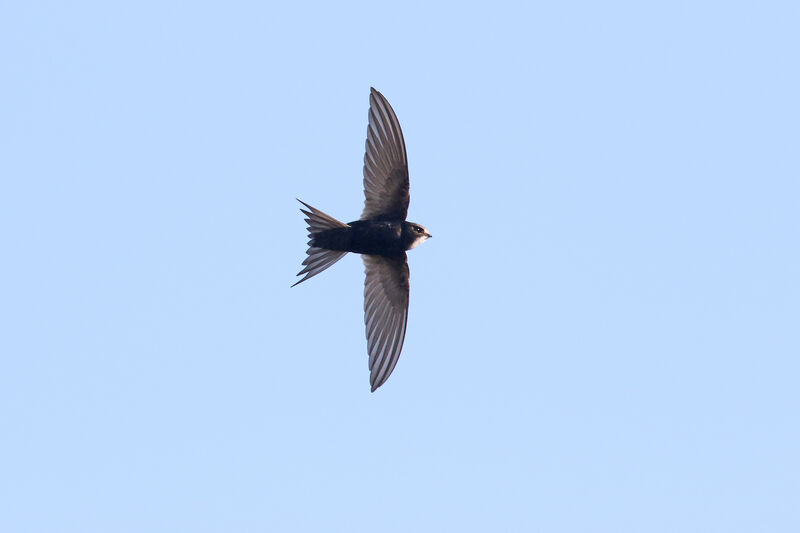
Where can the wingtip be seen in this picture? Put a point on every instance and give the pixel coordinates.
(376, 385)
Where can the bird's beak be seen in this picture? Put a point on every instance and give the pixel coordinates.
(428, 235)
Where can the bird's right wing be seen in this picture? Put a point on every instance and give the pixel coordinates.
(385, 313)
(385, 163)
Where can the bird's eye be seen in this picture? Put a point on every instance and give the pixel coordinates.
(417, 229)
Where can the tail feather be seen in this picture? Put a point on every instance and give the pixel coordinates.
(318, 259)
(319, 221)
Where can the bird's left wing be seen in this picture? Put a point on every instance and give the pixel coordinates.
(385, 313)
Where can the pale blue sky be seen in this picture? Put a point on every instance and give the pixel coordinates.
(603, 331)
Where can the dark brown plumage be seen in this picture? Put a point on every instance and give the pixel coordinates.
(382, 236)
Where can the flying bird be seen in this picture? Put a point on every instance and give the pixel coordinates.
(382, 235)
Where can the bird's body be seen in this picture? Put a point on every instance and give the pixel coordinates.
(374, 237)
(382, 236)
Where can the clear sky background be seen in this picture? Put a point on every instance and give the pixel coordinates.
(603, 331)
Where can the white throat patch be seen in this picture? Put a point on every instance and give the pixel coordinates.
(419, 240)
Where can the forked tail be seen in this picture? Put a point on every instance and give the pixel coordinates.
(318, 259)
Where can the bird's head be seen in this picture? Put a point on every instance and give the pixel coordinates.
(417, 234)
